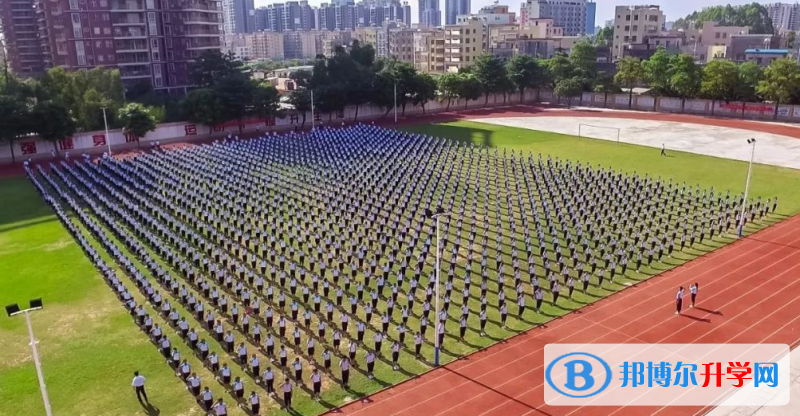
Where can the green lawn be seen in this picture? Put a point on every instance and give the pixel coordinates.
(89, 345)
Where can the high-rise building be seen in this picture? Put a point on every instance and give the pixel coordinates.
(19, 40)
(569, 14)
(634, 25)
(148, 41)
(239, 16)
(591, 13)
(301, 44)
(440, 55)
(262, 19)
(454, 8)
(376, 12)
(429, 13)
(281, 17)
(785, 16)
(338, 15)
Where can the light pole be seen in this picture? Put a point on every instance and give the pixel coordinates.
(751, 142)
(108, 138)
(312, 109)
(35, 305)
(437, 347)
(395, 102)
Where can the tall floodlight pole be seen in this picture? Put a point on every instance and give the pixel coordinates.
(751, 142)
(395, 102)
(312, 109)
(108, 138)
(35, 305)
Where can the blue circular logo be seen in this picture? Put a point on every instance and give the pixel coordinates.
(579, 366)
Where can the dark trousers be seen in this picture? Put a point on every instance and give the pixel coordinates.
(287, 399)
(141, 393)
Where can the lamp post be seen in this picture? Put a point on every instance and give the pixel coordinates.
(395, 102)
(35, 305)
(751, 142)
(312, 109)
(108, 138)
(437, 348)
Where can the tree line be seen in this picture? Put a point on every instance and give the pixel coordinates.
(63, 102)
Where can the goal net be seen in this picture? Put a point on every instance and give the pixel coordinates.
(598, 132)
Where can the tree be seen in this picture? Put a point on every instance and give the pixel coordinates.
(53, 122)
(204, 106)
(449, 86)
(720, 81)
(235, 92)
(791, 39)
(685, 76)
(491, 73)
(265, 101)
(424, 90)
(301, 100)
(15, 120)
(560, 67)
(750, 75)
(629, 74)
(605, 36)
(136, 119)
(84, 94)
(605, 84)
(753, 15)
(583, 58)
(781, 81)
(524, 72)
(211, 66)
(570, 87)
(469, 88)
(656, 70)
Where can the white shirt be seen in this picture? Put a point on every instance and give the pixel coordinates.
(138, 381)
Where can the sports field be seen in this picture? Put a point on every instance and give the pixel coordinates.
(90, 346)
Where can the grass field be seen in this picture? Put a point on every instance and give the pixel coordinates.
(90, 347)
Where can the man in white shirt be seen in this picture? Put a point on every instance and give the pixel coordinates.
(138, 386)
(255, 403)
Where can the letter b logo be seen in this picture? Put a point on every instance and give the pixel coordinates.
(579, 369)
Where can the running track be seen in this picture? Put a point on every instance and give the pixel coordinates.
(749, 293)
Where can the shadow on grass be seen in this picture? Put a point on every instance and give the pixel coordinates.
(22, 206)
(459, 133)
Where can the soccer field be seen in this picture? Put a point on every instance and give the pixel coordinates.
(90, 346)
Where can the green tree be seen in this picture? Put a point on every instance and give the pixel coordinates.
(300, 99)
(605, 84)
(750, 75)
(720, 81)
(791, 39)
(491, 73)
(84, 94)
(204, 106)
(605, 36)
(656, 71)
(424, 90)
(265, 101)
(53, 121)
(449, 86)
(212, 65)
(235, 92)
(524, 72)
(685, 76)
(781, 81)
(569, 88)
(470, 88)
(560, 68)
(629, 74)
(753, 15)
(15, 120)
(136, 119)
(583, 58)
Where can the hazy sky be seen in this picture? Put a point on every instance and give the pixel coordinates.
(605, 8)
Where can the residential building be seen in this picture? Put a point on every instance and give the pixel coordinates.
(421, 44)
(491, 15)
(338, 15)
(261, 19)
(454, 8)
(401, 44)
(330, 41)
(239, 16)
(19, 37)
(673, 44)
(569, 14)
(785, 16)
(764, 57)
(301, 44)
(633, 25)
(256, 46)
(740, 44)
(376, 12)
(148, 41)
(711, 41)
(453, 47)
(281, 17)
(430, 15)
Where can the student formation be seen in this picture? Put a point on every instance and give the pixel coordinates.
(286, 262)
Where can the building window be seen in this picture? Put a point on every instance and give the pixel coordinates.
(100, 58)
(170, 56)
(104, 3)
(106, 30)
(168, 41)
(97, 31)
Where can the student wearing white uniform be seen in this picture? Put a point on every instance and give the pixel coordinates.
(194, 384)
(693, 291)
(287, 394)
(344, 365)
(316, 379)
(238, 388)
(255, 403)
(220, 408)
(208, 398)
(269, 379)
(679, 301)
(138, 386)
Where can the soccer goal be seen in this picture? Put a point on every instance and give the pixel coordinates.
(598, 132)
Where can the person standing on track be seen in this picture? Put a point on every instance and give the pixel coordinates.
(693, 291)
(679, 301)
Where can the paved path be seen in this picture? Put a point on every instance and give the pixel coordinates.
(711, 140)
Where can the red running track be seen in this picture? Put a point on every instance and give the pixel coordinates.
(749, 293)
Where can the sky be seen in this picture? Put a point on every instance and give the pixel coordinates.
(674, 9)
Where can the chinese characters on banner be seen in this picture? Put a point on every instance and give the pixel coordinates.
(28, 148)
(190, 129)
(66, 144)
(131, 138)
(99, 140)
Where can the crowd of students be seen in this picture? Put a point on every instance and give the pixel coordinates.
(274, 246)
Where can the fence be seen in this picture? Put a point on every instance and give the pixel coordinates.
(96, 142)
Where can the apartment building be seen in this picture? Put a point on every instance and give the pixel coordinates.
(785, 16)
(455, 8)
(238, 16)
(401, 44)
(19, 41)
(453, 47)
(711, 41)
(281, 17)
(301, 45)
(633, 25)
(572, 15)
(430, 15)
